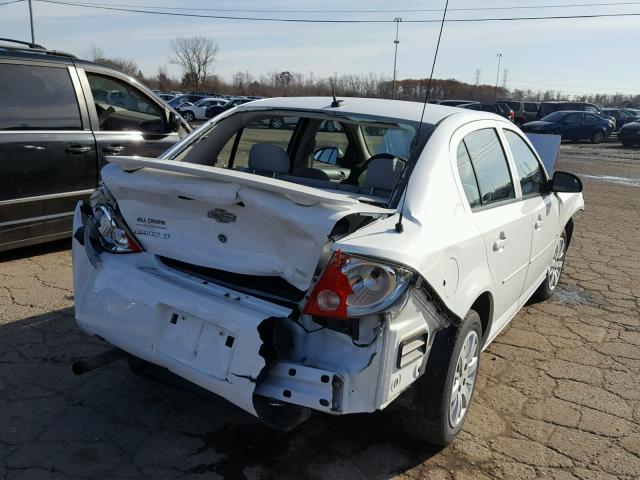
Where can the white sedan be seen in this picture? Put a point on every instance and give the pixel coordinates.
(287, 285)
(191, 112)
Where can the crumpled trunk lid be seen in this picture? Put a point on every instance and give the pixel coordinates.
(228, 220)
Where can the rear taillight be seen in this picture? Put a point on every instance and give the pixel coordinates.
(114, 234)
(354, 286)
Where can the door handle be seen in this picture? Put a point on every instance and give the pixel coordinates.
(539, 222)
(500, 243)
(75, 149)
(115, 149)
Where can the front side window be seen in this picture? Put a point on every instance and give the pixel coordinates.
(37, 98)
(490, 165)
(529, 170)
(590, 108)
(121, 107)
(396, 141)
(468, 177)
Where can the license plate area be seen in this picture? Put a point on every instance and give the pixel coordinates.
(198, 343)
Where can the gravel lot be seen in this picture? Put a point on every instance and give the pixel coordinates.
(558, 393)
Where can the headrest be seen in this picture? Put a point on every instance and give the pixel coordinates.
(268, 158)
(382, 173)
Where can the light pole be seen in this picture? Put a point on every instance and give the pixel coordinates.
(498, 75)
(395, 57)
(33, 37)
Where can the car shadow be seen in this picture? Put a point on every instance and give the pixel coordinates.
(36, 250)
(162, 421)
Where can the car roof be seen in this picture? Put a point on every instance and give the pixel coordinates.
(398, 109)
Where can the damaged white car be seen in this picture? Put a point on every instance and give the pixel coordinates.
(299, 269)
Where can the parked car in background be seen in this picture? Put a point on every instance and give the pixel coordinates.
(500, 108)
(555, 106)
(254, 274)
(166, 96)
(622, 116)
(214, 110)
(572, 125)
(629, 134)
(196, 111)
(59, 118)
(190, 97)
(524, 111)
(453, 103)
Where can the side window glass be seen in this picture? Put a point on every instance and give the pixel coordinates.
(529, 171)
(37, 98)
(490, 165)
(531, 107)
(468, 177)
(573, 118)
(330, 135)
(590, 108)
(122, 107)
(260, 131)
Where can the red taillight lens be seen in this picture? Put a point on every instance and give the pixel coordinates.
(329, 296)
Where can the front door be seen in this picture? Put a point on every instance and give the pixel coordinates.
(47, 152)
(538, 204)
(506, 228)
(126, 121)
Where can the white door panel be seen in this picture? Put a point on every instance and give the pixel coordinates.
(507, 234)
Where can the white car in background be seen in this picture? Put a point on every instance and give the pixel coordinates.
(195, 111)
(289, 286)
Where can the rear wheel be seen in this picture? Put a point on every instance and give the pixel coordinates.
(598, 137)
(443, 394)
(188, 116)
(548, 286)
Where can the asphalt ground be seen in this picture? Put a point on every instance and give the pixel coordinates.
(558, 393)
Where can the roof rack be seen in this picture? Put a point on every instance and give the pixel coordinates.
(33, 47)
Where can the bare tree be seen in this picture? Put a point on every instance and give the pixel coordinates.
(196, 56)
(125, 65)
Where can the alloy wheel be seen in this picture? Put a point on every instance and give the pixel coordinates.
(464, 379)
(555, 269)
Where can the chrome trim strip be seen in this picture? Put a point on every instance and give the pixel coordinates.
(37, 219)
(511, 275)
(50, 196)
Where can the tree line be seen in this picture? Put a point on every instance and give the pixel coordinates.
(196, 57)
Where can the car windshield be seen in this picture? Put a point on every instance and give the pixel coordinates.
(324, 152)
(554, 117)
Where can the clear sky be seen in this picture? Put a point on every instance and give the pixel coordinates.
(574, 56)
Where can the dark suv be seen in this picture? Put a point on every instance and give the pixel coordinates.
(59, 118)
(524, 111)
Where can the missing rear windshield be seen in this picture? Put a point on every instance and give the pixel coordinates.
(365, 157)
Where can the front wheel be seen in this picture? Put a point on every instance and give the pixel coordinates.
(598, 137)
(548, 286)
(188, 116)
(443, 394)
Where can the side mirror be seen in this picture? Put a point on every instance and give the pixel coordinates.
(565, 182)
(174, 122)
(328, 155)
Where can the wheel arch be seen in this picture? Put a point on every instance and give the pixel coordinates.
(483, 305)
(569, 229)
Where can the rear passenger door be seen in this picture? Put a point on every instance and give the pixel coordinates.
(47, 151)
(540, 205)
(125, 120)
(506, 228)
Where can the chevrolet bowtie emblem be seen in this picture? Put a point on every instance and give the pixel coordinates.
(221, 215)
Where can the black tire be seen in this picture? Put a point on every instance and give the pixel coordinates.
(276, 123)
(189, 116)
(598, 137)
(428, 421)
(548, 286)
